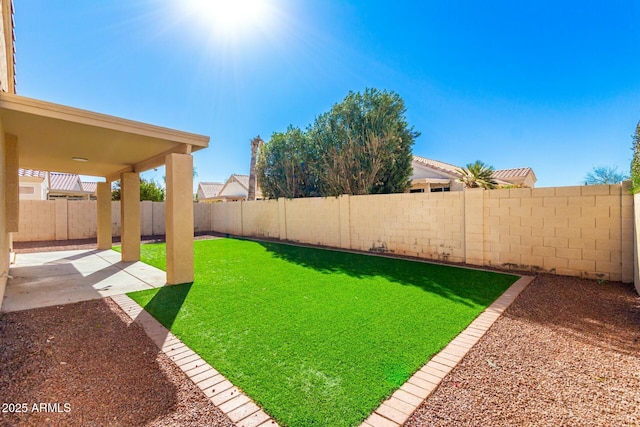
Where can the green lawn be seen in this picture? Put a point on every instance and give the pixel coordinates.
(316, 337)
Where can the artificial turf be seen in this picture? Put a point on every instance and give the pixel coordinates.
(316, 337)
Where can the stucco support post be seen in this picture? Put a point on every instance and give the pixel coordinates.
(179, 218)
(12, 190)
(130, 215)
(105, 238)
(4, 233)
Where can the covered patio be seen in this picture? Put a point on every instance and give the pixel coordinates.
(44, 279)
(45, 136)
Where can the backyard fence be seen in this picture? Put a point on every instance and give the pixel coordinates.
(585, 231)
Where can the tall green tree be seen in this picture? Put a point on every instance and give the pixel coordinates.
(478, 175)
(149, 190)
(282, 166)
(362, 145)
(604, 175)
(635, 162)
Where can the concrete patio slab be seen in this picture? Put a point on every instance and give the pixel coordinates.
(53, 278)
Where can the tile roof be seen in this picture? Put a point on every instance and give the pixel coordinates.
(441, 166)
(242, 179)
(451, 169)
(89, 186)
(512, 173)
(64, 182)
(31, 172)
(210, 189)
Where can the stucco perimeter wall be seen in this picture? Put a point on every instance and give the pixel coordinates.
(259, 218)
(428, 226)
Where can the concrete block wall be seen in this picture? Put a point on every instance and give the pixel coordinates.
(42, 220)
(61, 219)
(201, 218)
(227, 218)
(37, 221)
(158, 227)
(146, 218)
(260, 219)
(116, 223)
(427, 226)
(314, 220)
(81, 219)
(575, 231)
(585, 231)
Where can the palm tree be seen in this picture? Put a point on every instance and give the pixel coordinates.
(255, 146)
(478, 175)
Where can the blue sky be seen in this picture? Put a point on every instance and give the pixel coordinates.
(554, 85)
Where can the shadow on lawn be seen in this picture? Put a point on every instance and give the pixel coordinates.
(166, 303)
(458, 284)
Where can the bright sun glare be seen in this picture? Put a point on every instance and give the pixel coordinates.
(231, 17)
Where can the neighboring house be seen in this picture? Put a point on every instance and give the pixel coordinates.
(234, 189)
(208, 191)
(522, 177)
(33, 184)
(433, 176)
(91, 188)
(40, 185)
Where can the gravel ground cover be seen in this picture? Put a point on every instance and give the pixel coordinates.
(565, 353)
(90, 366)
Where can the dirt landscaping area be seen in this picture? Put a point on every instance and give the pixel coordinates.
(567, 352)
(91, 366)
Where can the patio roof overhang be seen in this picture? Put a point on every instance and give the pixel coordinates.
(426, 181)
(50, 136)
